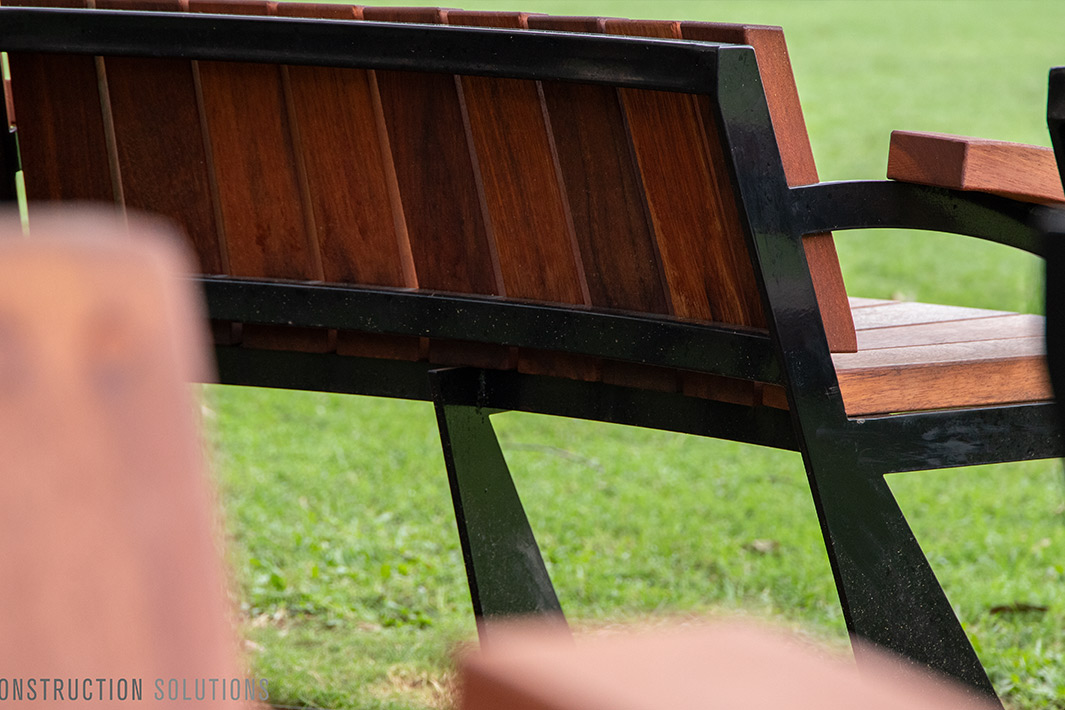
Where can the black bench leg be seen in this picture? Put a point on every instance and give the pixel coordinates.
(506, 573)
(889, 593)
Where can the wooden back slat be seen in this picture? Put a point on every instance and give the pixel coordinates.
(611, 221)
(700, 239)
(782, 96)
(442, 205)
(267, 226)
(351, 183)
(162, 158)
(525, 204)
(607, 204)
(62, 133)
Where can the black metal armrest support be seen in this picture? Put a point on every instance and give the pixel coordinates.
(832, 206)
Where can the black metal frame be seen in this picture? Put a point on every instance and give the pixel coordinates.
(889, 594)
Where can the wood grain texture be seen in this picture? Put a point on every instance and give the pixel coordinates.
(607, 203)
(351, 185)
(62, 134)
(916, 356)
(893, 313)
(443, 209)
(160, 143)
(105, 507)
(785, 110)
(700, 239)
(266, 224)
(1023, 172)
(525, 204)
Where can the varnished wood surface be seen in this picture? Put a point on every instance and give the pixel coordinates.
(519, 179)
(443, 208)
(160, 141)
(1023, 172)
(785, 110)
(915, 356)
(266, 224)
(609, 211)
(350, 184)
(702, 247)
(62, 134)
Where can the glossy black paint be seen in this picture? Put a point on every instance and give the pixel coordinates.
(888, 592)
(730, 351)
(506, 573)
(1054, 224)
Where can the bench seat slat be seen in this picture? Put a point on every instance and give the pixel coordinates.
(986, 328)
(908, 313)
(917, 356)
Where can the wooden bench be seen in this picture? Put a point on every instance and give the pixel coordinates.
(593, 220)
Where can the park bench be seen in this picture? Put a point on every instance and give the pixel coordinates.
(603, 219)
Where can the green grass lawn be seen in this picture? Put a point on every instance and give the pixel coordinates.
(342, 537)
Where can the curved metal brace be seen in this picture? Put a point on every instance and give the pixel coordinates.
(865, 204)
(730, 351)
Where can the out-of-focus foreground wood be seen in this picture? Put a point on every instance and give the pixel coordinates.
(108, 537)
(723, 665)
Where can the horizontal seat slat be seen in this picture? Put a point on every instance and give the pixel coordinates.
(917, 356)
(895, 313)
(972, 330)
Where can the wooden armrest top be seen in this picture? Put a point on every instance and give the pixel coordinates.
(1023, 172)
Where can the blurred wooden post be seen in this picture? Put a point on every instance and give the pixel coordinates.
(109, 540)
(694, 667)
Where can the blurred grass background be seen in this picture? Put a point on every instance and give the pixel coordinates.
(342, 537)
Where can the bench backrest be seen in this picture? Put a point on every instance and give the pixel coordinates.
(549, 191)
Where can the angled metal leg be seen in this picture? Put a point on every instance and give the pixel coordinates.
(506, 573)
(890, 595)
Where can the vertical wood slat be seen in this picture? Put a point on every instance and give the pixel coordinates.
(351, 183)
(160, 143)
(442, 207)
(782, 96)
(63, 138)
(700, 238)
(609, 210)
(525, 204)
(699, 232)
(264, 219)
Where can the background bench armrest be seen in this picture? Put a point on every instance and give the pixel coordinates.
(1023, 172)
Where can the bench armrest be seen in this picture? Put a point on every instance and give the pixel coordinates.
(1023, 172)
